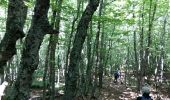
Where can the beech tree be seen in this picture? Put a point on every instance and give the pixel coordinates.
(17, 13)
(73, 68)
(29, 61)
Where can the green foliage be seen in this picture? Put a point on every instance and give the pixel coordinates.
(37, 84)
(107, 19)
(69, 9)
(3, 3)
(28, 3)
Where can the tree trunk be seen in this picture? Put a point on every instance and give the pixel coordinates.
(141, 67)
(97, 67)
(71, 35)
(73, 69)
(162, 42)
(101, 47)
(17, 12)
(89, 61)
(45, 73)
(53, 42)
(29, 61)
(149, 38)
(135, 50)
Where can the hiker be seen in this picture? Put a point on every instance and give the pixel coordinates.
(145, 93)
(116, 76)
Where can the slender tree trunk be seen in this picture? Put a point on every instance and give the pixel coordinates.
(73, 69)
(128, 65)
(81, 81)
(141, 67)
(135, 50)
(160, 66)
(71, 35)
(163, 45)
(108, 57)
(53, 43)
(89, 59)
(101, 48)
(97, 55)
(149, 38)
(45, 73)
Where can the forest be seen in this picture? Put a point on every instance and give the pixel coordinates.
(84, 49)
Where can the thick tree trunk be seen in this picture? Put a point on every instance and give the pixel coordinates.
(73, 70)
(29, 61)
(17, 12)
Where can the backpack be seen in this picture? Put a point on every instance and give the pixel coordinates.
(143, 98)
(116, 74)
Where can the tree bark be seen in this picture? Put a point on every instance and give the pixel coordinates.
(45, 72)
(89, 61)
(29, 60)
(17, 12)
(149, 38)
(135, 51)
(53, 44)
(73, 69)
(52, 63)
(101, 47)
(71, 35)
(141, 68)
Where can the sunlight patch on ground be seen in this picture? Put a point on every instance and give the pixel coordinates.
(117, 91)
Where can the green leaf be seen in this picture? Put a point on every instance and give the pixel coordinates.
(28, 3)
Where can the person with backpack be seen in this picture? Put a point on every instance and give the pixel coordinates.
(145, 93)
(116, 76)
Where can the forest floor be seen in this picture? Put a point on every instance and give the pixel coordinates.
(118, 91)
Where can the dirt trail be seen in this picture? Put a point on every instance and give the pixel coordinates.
(112, 91)
(115, 91)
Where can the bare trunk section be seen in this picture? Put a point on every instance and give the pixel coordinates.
(149, 38)
(97, 53)
(17, 12)
(29, 60)
(71, 35)
(101, 47)
(141, 67)
(73, 69)
(53, 43)
(45, 73)
(135, 50)
(89, 59)
(162, 42)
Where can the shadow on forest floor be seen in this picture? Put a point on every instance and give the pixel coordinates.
(112, 91)
(116, 91)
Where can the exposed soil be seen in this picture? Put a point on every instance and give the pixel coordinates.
(115, 91)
